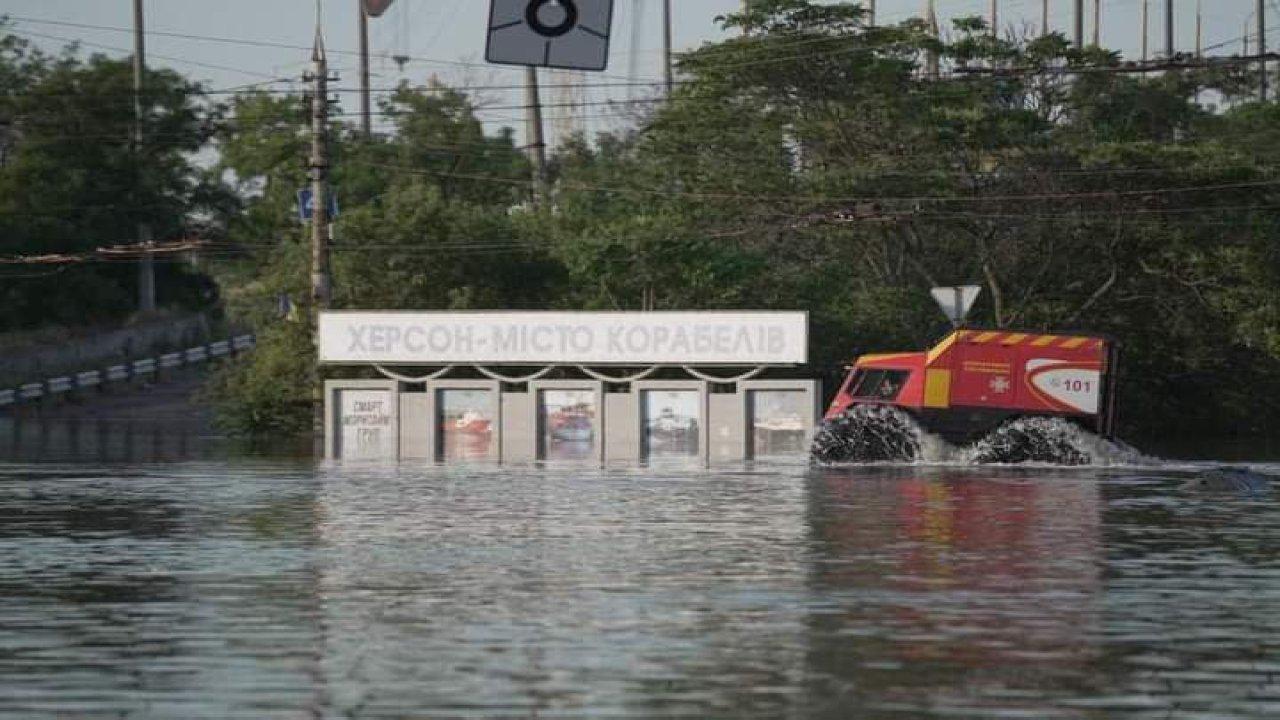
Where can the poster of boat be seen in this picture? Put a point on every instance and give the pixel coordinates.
(466, 424)
(671, 423)
(777, 421)
(567, 421)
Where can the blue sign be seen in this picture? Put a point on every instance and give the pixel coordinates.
(306, 204)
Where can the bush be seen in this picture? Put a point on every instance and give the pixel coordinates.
(269, 393)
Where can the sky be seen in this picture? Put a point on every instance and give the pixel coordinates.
(445, 39)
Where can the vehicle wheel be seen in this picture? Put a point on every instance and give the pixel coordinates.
(867, 433)
(1032, 440)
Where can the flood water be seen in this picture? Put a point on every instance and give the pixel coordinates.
(171, 581)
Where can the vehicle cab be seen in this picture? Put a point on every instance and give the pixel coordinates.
(887, 379)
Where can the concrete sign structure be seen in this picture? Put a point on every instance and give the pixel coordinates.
(571, 34)
(686, 405)
(566, 338)
(571, 421)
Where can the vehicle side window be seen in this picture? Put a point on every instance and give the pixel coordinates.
(867, 379)
(855, 381)
(884, 385)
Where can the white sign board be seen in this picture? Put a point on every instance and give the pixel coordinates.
(571, 34)
(569, 338)
(956, 302)
(366, 425)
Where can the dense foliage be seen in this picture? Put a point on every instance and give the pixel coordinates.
(816, 164)
(71, 180)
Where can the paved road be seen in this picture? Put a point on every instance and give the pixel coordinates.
(172, 400)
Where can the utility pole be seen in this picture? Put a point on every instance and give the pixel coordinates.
(1146, 26)
(321, 282)
(1245, 37)
(1262, 50)
(995, 18)
(1168, 29)
(746, 25)
(871, 13)
(1079, 24)
(146, 263)
(666, 47)
(1044, 17)
(536, 143)
(366, 112)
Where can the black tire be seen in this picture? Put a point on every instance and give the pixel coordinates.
(867, 433)
(1032, 440)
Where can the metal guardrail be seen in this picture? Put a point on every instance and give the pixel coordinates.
(125, 372)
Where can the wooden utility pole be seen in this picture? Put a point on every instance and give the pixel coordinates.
(366, 112)
(995, 17)
(536, 143)
(146, 264)
(1262, 50)
(667, 75)
(1168, 28)
(1079, 24)
(1044, 17)
(746, 25)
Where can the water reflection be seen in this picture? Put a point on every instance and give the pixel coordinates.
(103, 440)
(958, 591)
(283, 589)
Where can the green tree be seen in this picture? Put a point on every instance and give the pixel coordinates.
(71, 180)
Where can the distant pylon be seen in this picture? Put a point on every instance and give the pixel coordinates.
(1097, 23)
(569, 99)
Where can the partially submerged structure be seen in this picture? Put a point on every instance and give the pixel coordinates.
(601, 387)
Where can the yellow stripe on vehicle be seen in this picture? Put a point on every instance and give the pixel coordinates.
(1074, 343)
(1044, 341)
(986, 337)
(882, 357)
(1014, 339)
(937, 388)
(944, 346)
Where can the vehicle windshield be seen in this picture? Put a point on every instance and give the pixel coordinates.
(883, 385)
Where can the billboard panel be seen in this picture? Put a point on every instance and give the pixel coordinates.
(568, 338)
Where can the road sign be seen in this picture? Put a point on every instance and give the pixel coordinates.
(375, 8)
(956, 302)
(571, 34)
(306, 205)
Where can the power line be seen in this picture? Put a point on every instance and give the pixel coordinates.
(864, 198)
(170, 58)
(258, 43)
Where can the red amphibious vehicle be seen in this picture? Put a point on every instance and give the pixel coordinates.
(974, 381)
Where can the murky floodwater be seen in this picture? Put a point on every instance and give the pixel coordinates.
(249, 588)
